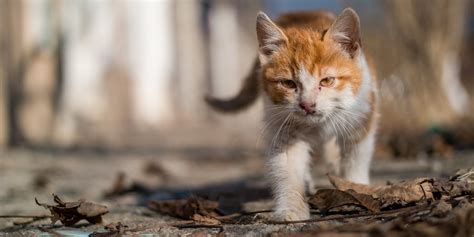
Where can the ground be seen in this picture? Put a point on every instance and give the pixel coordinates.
(26, 175)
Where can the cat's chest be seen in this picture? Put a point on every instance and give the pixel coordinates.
(314, 135)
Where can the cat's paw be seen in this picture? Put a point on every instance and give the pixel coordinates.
(292, 215)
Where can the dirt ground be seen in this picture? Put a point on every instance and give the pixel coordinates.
(26, 175)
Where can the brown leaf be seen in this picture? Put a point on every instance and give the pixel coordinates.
(205, 219)
(89, 209)
(441, 209)
(406, 191)
(411, 191)
(326, 199)
(156, 169)
(193, 208)
(112, 230)
(442, 188)
(464, 175)
(69, 213)
(343, 184)
(117, 187)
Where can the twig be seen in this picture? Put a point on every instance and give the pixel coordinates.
(239, 214)
(50, 231)
(24, 216)
(220, 227)
(256, 212)
(332, 218)
(33, 218)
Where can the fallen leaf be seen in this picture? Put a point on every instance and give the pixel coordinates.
(156, 169)
(343, 184)
(193, 208)
(118, 186)
(327, 199)
(406, 191)
(444, 188)
(40, 182)
(464, 175)
(69, 213)
(205, 219)
(112, 230)
(411, 191)
(441, 209)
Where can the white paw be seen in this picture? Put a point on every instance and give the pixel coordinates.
(293, 215)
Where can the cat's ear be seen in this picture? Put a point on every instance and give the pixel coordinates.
(346, 31)
(270, 37)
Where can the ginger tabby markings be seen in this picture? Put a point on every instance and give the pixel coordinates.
(319, 93)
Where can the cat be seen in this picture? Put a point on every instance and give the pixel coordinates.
(318, 89)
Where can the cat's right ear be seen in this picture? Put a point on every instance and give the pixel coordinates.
(270, 37)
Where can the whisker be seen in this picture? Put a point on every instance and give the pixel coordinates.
(275, 137)
(274, 118)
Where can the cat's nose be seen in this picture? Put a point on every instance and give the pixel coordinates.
(309, 108)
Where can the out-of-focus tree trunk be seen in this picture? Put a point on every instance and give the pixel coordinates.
(430, 34)
(232, 51)
(11, 17)
(39, 72)
(191, 73)
(3, 78)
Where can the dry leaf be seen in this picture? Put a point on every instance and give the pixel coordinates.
(112, 230)
(444, 188)
(193, 208)
(118, 186)
(205, 219)
(406, 191)
(410, 191)
(326, 199)
(69, 213)
(464, 175)
(441, 209)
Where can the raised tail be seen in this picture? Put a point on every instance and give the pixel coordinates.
(247, 94)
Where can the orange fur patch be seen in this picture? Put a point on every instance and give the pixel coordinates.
(307, 47)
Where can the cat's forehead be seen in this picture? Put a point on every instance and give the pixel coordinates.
(309, 48)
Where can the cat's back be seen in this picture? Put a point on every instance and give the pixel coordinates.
(315, 20)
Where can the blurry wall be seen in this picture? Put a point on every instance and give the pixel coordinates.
(124, 74)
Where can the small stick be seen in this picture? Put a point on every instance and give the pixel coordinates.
(24, 216)
(239, 214)
(50, 231)
(220, 227)
(332, 218)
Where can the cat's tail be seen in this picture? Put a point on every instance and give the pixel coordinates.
(247, 94)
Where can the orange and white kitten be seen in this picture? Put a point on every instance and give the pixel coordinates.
(318, 89)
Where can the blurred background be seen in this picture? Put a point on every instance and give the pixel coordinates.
(102, 99)
(132, 74)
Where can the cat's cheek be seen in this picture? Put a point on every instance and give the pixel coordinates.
(279, 95)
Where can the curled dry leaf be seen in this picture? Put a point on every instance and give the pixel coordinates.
(69, 213)
(441, 209)
(327, 199)
(193, 208)
(406, 191)
(409, 191)
(464, 175)
(444, 189)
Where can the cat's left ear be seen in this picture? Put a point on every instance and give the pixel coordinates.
(270, 37)
(346, 31)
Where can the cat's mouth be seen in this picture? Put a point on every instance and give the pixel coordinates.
(316, 117)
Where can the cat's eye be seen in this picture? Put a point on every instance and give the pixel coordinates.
(288, 84)
(327, 82)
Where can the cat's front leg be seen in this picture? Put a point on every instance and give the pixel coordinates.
(356, 160)
(288, 171)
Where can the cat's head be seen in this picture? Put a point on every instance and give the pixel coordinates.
(310, 73)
